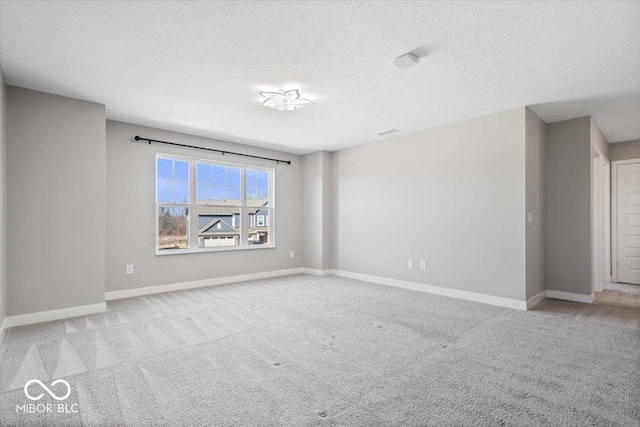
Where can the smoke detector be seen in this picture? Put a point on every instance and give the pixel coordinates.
(405, 61)
(387, 132)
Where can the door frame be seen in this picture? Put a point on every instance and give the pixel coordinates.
(614, 214)
(600, 221)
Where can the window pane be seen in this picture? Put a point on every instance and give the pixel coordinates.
(181, 192)
(181, 171)
(252, 178)
(172, 181)
(173, 223)
(203, 173)
(252, 194)
(263, 179)
(257, 191)
(233, 195)
(233, 176)
(219, 175)
(204, 193)
(165, 192)
(218, 227)
(165, 169)
(258, 230)
(219, 194)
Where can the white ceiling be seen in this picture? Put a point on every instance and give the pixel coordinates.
(197, 67)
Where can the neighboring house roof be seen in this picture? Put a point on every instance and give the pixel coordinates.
(204, 219)
(212, 227)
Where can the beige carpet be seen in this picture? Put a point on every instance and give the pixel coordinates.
(303, 350)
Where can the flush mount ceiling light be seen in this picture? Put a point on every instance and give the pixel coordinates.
(284, 101)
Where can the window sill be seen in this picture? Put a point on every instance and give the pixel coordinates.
(208, 250)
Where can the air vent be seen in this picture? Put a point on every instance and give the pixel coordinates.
(387, 132)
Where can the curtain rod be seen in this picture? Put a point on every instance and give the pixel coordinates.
(139, 138)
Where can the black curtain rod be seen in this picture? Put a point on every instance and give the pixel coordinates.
(139, 138)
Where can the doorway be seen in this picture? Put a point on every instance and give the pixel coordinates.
(626, 224)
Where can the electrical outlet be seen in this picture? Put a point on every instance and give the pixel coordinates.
(129, 268)
(410, 264)
(423, 265)
(292, 254)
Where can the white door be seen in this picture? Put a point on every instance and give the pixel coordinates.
(628, 222)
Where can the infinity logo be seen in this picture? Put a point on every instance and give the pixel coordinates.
(52, 394)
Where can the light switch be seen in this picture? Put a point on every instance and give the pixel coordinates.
(530, 218)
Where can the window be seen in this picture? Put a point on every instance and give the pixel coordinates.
(205, 205)
(172, 197)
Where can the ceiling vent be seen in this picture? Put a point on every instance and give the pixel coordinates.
(387, 132)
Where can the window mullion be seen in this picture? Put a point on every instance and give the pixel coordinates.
(244, 216)
(194, 241)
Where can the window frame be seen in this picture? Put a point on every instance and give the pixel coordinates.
(192, 232)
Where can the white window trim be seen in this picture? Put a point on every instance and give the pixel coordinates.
(193, 208)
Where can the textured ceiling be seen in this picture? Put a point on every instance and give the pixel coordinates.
(197, 67)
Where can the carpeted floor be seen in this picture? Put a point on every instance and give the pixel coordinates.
(303, 350)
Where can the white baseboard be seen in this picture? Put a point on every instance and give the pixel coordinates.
(454, 293)
(535, 300)
(47, 316)
(315, 272)
(149, 290)
(570, 296)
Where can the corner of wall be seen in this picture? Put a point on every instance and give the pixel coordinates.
(568, 206)
(3, 201)
(598, 141)
(535, 142)
(317, 210)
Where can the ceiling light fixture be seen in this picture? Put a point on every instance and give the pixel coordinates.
(284, 101)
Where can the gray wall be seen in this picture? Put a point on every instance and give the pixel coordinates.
(535, 187)
(453, 196)
(131, 213)
(56, 202)
(568, 186)
(625, 150)
(316, 202)
(3, 198)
